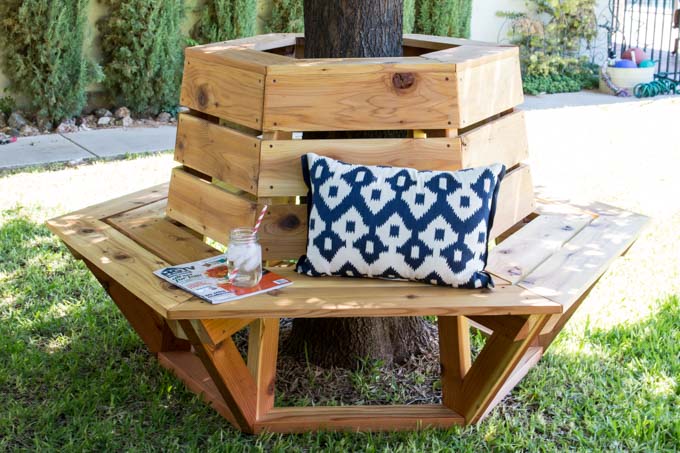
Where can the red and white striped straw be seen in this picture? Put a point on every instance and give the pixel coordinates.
(259, 219)
(255, 230)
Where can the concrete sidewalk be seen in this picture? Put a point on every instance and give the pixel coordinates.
(86, 145)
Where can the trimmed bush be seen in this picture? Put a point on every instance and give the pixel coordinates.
(142, 53)
(409, 15)
(41, 45)
(222, 20)
(287, 17)
(443, 17)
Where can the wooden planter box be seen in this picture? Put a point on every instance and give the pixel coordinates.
(250, 99)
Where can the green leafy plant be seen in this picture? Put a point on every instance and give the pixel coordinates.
(7, 104)
(443, 17)
(222, 20)
(142, 53)
(41, 45)
(550, 36)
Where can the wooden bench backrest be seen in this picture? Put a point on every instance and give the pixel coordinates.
(239, 152)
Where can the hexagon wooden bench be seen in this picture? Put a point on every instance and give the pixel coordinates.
(248, 98)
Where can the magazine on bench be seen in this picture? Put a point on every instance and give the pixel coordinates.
(207, 279)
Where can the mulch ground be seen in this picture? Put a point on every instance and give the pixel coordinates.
(299, 382)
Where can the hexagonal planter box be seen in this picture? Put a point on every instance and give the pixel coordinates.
(251, 98)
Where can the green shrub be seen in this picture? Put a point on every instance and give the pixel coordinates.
(41, 45)
(7, 104)
(558, 83)
(142, 53)
(443, 17)
(409, 15)
(286, 17)
(222, 20)
(550, 36)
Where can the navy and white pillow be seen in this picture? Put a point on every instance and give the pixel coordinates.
(399, 223)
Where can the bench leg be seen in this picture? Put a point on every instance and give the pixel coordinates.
(454, 356)
(263, 348)
(229, 372)
(149, 325)
(474, 392)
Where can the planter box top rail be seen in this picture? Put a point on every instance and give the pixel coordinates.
(451, 84)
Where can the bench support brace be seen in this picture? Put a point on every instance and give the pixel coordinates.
(151, 327)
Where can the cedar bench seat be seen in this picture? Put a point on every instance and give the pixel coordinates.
(543, 269)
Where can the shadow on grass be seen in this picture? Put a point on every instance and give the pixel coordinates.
(73, 375)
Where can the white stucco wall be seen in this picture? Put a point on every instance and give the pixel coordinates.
(486, 26)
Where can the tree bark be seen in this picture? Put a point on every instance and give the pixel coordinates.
(355, 29)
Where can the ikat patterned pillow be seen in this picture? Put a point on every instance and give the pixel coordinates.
(399, 223)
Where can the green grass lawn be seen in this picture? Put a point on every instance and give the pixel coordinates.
(74, 376)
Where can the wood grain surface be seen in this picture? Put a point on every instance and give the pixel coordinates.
(218, 151)
(227, 92)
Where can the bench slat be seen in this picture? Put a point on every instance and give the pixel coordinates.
(308, 298)
(148, 227)
(515, 200)
(120, 258)
(126, 202)
(502, 140)
(213, 211)
(221, 152)
(524, 250)
(567, 274)
(281, 168)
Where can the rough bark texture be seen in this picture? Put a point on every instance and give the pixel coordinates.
(346, 29)
(345, 342)
(353, 28)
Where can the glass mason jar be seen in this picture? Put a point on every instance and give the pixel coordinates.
(244, 258)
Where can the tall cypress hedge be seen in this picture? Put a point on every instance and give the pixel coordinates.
(409, 15)
(41, 46)
(287, 17)
(142, 53)
(444, 17)
(221, 20)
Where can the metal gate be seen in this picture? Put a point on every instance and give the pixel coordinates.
(651, 25)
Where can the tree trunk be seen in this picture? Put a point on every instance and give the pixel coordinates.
(355, 29)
